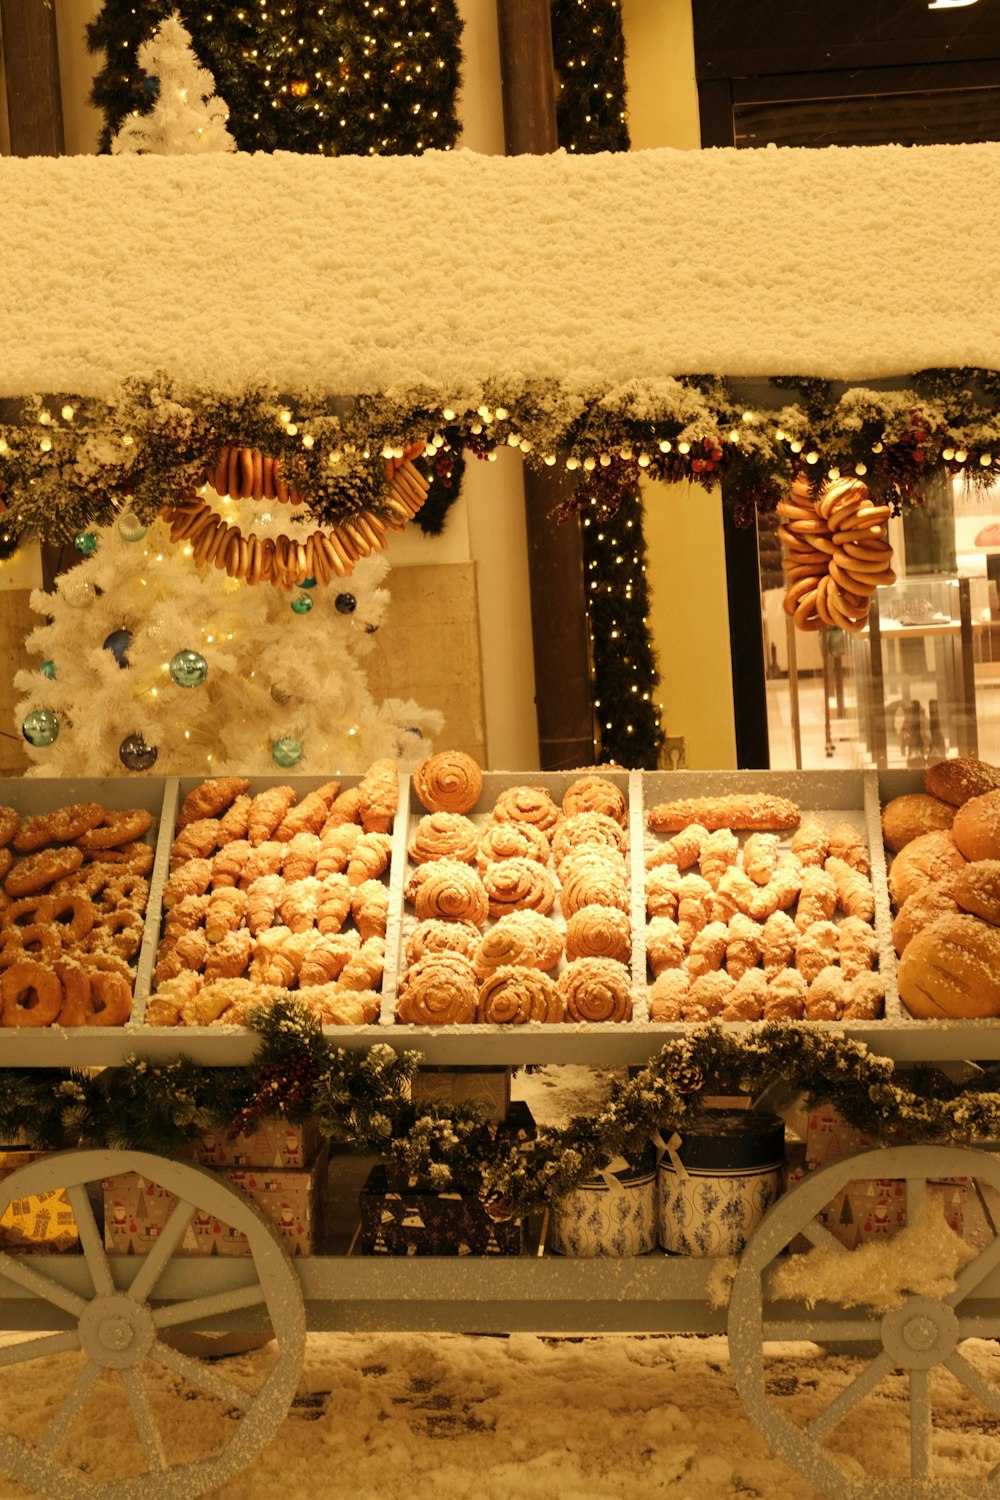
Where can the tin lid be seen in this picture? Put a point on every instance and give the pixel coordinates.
(721, 1140)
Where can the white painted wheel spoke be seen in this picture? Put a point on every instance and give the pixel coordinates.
(208, 1307)
(979, 1328)
(201, 1375)
(976, 1383)
(42, 1286)
(864, 1382)
(810, 1330)
(976, 1271)
(69, 1407)
(818, 1235)
(39, 1348)
(148, 1432)
(920, 1424)
(155, 1263)
(90, 1239)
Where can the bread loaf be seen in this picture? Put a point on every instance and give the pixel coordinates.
(952, 969)
(906, 817)
(977, 889)
(928, 858)
(957, 780)
(976, 829)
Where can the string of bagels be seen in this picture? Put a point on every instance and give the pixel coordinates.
(325, 555)
(835, 553)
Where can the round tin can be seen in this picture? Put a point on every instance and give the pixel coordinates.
(613, 1214)
(717, 1179)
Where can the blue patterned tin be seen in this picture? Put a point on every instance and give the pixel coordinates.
(613, 1214)
(717, 1179)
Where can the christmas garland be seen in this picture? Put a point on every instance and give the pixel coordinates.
(66, 464)
(362, 1096)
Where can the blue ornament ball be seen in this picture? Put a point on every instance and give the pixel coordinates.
(135, 754)
(302, 604)
(41, 727)
(188, 669)
(130, 528)
(345, 604)
(151, 86)
(286, 752)
(308, 583)
(48, 669)
(118, 643)
(85, 542)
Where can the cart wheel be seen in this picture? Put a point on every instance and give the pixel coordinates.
(111, 1327)
(924, 1333)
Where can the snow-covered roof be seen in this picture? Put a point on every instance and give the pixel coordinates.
(355, 274)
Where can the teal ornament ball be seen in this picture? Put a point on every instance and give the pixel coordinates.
(286, 752)
(41, 727)
(308, 583)
(85, 542)
(188, 669)
(48, 669)
(130, 528)
(302, 604)
(118, 643)
(135, 754)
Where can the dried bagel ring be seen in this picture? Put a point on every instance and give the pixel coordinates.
(10, 822)
(72, 913)
(31, 994)
(41, 941)
(38, 871)
(76, 1008)
(25, 911)
(116, 828)
(111, 998)
(120, 931)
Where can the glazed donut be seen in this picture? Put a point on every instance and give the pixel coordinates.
(110, 998)
(518, 885)
(116, 828)
(438, 990)
(448, 782)
(595, 794)
(73, 913)
(38, 871)
(596, 989)
(31, 994)
(517, 993)
(60, 826)
(443, 835)
(512, 841)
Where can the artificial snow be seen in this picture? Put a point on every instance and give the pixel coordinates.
(359, 275)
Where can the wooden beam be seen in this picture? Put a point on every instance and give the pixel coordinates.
(563, 698)
(31, 64)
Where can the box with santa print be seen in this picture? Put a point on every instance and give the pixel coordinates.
(40, 1223)
(417, 1221)
(135, 1211)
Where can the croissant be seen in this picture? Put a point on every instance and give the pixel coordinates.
(345, 808)
(363, 970)
(335, 848)
(333, 902)
(327, 957)
(780, 937)
(210, 798)
(277, 956)
(299, 902)
(682, 850)
(300, 856)
(225, 913)
(235, 820)
(265, 859)
(817, 898)
(187, 951)
(707, 949)
(190, 879)
(228, 958)
(229, 863)
(748, 997)
(694, 905)
(810, 843)
(195, 840)
(267, 810)
(185, 915)
(744, 945)
(663, 886)
(760, 856)
(307, 816)
(667, 994)
(369, 908)
(855, 895)
(708, 996)
(718, 852)
(263, 897)
(665, 947)
(335, 1007)
(858, 946)
(379, 793)
(369, 857)
(825, 999)
(817, 947)
(848, 843)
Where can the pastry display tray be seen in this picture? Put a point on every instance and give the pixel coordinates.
(842, 796)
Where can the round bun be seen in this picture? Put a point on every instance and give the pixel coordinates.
(929, 858)
(450, 781)
(952, 969)
(922, 908)
(907, 817)
(957, 780)
(977, 889)
(976, 829)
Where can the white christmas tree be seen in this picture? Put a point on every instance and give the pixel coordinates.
(153, 665)
(188, 116)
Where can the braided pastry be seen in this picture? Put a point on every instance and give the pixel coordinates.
(211, 798)
(36, 872)
(444, 836)
(517, 993)
(60, 826)
(596, 989)
(448, 782)
(599, 932)
(595, 794)
(526, 804)
(438, 990)
(523, 938)
(587, 828)
(115, 828)
(434, 935)
(750, 810)
(518, 885)
(512, 841)
(450, 889)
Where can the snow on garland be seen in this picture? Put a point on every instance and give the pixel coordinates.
(362, 1095)
(66, 463)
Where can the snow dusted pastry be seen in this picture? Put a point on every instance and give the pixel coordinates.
(911, 814)
(438, 990)
(597, 931)
(443, 835)
(447, 888)
(512, 841)
(378, 793)
(595, 794)
(741, 810)
(517, 993)
(518, 885)
(667, 995)
(448, 782)
(587, 828)
(594, 883)
(929, 858)
(308, 815)
(521, 937)
(683, 850)
(708, 996)
(435, 935)
(596, 989)
(526, 804)
(209, 799)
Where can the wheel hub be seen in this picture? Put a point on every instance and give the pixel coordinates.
(116, 1332)
(920, 1334)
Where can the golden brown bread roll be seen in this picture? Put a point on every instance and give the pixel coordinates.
(928, 858)
(976, 829)
(952, 969)
(955, 781)
(923, 907)
(905, 818)
(977, 889)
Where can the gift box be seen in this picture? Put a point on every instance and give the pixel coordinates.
(488, 1087)
(716, 1179)
(612, 1214)
(40, 1223)
(276, 1142)
(415, 1221)
(136, 1209)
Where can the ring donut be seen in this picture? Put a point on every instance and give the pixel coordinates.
(31, 994)
(110, 999)
(75, 1009)
(119, 930)
(72, 913)
(41, 941)
(116, 828)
